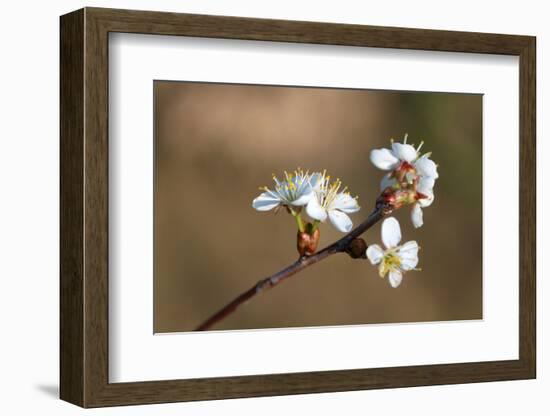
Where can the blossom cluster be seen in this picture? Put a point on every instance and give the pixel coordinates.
(409, 180)
(322, 198)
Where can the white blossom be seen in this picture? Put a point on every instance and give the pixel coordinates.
(395, 259)
(329, 202)
(295, 189)
(408, 169)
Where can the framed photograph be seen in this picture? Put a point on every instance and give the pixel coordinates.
(255, 207)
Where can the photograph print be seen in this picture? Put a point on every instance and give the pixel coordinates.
(295, 207)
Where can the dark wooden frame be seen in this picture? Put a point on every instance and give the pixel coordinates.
(84, 207)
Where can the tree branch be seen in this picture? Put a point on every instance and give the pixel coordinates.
(338, 246)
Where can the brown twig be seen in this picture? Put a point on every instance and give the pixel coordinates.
(339, 246)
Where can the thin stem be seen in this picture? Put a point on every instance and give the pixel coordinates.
(314, 225)
(338, 246)
(299, 222)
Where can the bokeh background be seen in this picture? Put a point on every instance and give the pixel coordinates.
(215, 144)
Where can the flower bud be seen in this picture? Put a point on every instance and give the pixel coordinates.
(386, 201)
(391, 199)
(307, 242)
(357, 248)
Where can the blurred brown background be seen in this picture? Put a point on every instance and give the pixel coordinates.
(216, 144)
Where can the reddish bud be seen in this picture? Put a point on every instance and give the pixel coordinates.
(307, 242)
(386, 201)
(391, 199)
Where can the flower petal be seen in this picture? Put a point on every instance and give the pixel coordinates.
(417, 216)
(404, 151)
(425, 185)
(387, 181)
(266, 201)
(345, 203)
(315, 210)
(408, 254)
(395, 278)
(375, 253)
(303, 199)
(426, 202)
(315, 180)
(391, 232)
(426, 167)
(384, 159)
(340, 220)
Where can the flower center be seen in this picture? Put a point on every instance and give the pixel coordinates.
(292, 184)
(328, 191)
(405, 174)
(391, 261)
